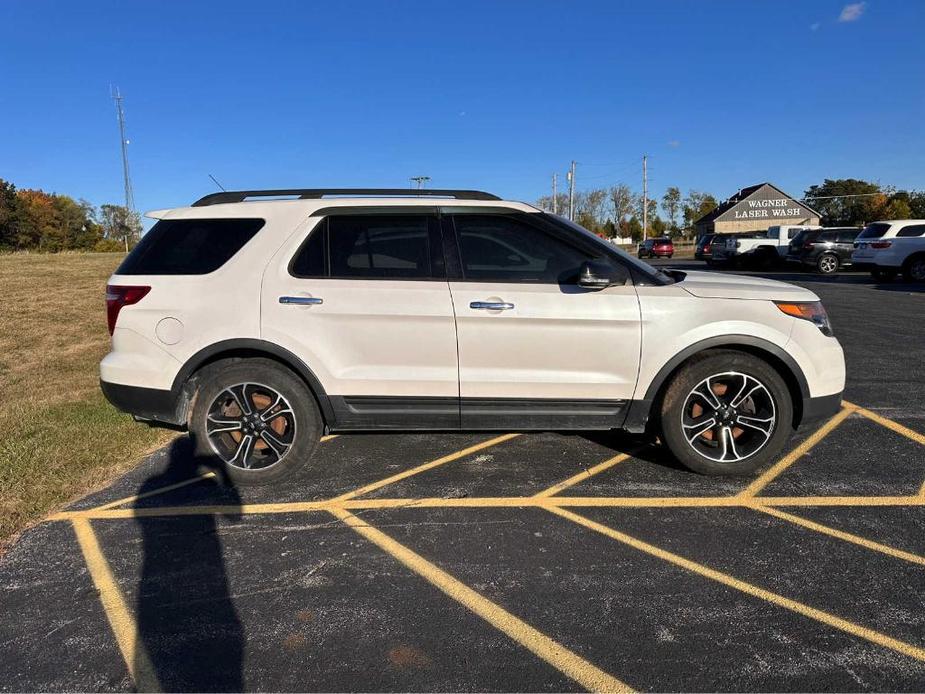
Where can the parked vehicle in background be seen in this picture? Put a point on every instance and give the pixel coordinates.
(763, 249)
(704, 249)
(826, 249)
(261, 323)
(890, 247)
(661, 247)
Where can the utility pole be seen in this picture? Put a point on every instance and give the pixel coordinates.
(555, 194)
(420, 180)
(645, 199)
(571, 191)
(126, 179)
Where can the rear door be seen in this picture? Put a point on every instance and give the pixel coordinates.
(365, 303)
(535, 349)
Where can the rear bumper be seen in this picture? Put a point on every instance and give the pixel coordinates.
(817, 409)
(150, 404)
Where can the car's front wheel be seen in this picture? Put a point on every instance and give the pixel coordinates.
(726, 413)
(256, 418)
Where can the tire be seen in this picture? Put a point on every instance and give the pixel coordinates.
(881, 275)
(914, 268)
(282, 433)
(760, 425)
(827, 264)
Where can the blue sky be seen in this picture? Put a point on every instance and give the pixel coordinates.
(491, 95)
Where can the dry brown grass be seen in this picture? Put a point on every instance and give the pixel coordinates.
(59, 438)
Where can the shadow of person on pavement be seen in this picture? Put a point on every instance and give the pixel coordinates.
(188, 627)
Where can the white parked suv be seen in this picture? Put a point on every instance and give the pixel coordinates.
(260, 324)
(888, 248)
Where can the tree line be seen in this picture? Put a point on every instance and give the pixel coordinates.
(33, 220)
(617, 211)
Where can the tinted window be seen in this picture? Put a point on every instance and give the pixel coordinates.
(828, 236)
(188, 246)
(913, 230)
(662, 240)
(847, 235)
(503, 249)
(383, 246)
(793, 233)
(774, 233)
(874, 231)
(311, 259)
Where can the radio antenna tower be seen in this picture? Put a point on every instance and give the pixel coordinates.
(129, 195)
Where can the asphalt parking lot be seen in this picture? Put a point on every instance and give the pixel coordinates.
(534, 562)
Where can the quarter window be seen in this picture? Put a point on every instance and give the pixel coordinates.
(912, 230)
(497, 248)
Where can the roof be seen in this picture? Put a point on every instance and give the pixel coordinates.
(743, 194)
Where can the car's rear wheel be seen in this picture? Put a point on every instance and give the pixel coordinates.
(256, 418)
(827, 264)
(726, 413)
(881, 275)
(914, 269)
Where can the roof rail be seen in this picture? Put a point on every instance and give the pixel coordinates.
(317, 193)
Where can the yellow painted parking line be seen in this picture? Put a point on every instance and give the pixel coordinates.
(584, 475)
(496, 502)
(171, 487)
(155, 492)
(890, 424)
(566, 661)
(120, 618)
(818, 615)
(426, 466)
(841, 535)
(765, 479)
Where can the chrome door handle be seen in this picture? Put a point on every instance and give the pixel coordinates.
(491, 305)
(301, 300)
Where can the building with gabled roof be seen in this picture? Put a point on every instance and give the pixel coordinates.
(756, 208)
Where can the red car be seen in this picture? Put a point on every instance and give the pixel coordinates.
(661, 247)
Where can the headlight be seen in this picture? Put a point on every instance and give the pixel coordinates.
(812, 311)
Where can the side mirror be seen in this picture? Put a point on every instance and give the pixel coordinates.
(595, 274)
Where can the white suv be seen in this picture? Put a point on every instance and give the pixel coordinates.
(260, 324)
(888, 248)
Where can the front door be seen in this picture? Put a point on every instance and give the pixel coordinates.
(535, 349)
(364, 302)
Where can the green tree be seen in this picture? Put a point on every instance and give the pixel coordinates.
(9, 214)
(846, 201)
(671, 204)
(695, 206)
(120, 224)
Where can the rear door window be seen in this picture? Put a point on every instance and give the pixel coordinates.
(372, 247)
(847, 235)
(188, 246)
(828, 237)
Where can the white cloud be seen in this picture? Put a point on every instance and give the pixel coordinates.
(852, 12)
(814, 26)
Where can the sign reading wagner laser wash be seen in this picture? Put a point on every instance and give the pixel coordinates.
(766, 203)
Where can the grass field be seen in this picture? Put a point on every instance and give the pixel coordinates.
(60, 438)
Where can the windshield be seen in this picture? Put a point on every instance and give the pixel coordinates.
(646, 269)
(874, 231)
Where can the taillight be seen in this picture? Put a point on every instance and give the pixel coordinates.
(119, 296)
(881, 244)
